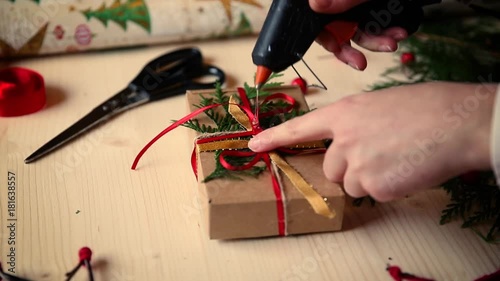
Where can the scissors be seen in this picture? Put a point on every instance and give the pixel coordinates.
(166, 76)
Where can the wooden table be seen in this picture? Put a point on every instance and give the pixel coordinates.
(145, 224)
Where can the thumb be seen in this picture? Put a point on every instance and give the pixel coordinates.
(309, 127)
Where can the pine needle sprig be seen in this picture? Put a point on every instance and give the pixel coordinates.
(388, 84)
(476, 202)
(252, 92)
(224, 122)
(194, 124)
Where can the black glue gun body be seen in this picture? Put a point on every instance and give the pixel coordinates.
(291, 26)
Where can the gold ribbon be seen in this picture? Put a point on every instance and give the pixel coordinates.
(316, 201)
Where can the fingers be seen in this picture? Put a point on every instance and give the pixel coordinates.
(352, 57)
(352, 186)
(328, 41)
(334, 164)
(333, 6)
(344, 53)
(385, 42)
(396, 33)
(300, 129)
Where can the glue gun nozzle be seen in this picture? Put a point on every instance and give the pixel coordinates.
(263, 73)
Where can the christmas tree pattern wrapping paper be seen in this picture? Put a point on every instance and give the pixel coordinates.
(32, 27)
(246, 206)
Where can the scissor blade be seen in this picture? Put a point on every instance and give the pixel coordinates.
(89, 121)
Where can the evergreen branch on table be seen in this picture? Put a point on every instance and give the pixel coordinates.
(476, 203)
(460, 50)
(389, 84)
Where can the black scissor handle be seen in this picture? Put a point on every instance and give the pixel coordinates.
(174, 73)
(163, 70)
(180, 87)
(208, 71)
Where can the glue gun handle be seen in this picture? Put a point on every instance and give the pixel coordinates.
(292, 26)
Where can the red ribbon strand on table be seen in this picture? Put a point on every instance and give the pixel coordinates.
(398, 275)
(22, 91)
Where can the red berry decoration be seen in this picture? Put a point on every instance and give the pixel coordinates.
(407, 58)
(302, 83)
(85, 253)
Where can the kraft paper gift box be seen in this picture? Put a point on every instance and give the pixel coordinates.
(247, 207)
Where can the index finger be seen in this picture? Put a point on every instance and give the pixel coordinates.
(309, 127)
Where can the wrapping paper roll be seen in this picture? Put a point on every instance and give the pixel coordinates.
(33, 27)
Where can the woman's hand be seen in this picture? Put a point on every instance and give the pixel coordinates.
(394, 142)
(387, 41)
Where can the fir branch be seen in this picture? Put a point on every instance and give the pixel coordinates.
(389, 84)
(224, 122)
(194, 124)
(252, 91)
(475, 202)
(449, 40)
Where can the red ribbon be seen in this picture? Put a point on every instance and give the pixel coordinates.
(398, 275)
(257, 156)
(22, 91)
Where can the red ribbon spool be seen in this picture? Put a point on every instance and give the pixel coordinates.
(22, 91)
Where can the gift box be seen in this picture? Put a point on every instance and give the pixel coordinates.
(253, 206)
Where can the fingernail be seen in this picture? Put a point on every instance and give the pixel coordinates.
(351, 64)
(323, 4)
(385, 48)
(260, 142)
(254, 143)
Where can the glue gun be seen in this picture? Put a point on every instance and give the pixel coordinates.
(291, 26)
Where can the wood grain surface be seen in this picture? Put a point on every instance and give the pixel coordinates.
(145, 224)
